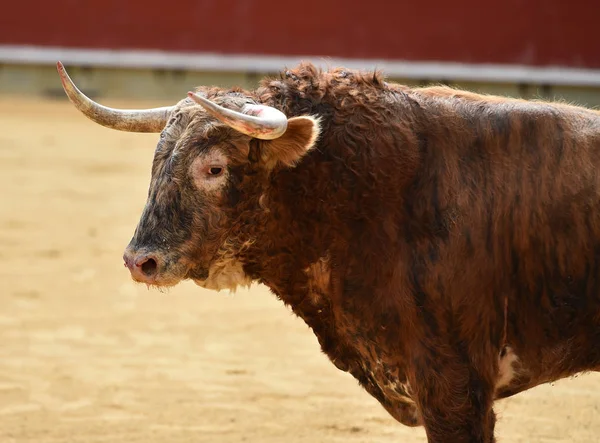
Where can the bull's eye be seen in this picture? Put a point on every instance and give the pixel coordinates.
(215, 171)
(209, 171)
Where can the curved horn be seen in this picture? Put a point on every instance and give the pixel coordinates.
(258, 121)
(143, 120)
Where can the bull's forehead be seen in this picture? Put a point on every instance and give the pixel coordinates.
(180, 119)
(189, 118)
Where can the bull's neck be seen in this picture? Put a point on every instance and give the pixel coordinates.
(291, 232)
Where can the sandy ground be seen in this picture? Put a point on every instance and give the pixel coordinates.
(88, 356)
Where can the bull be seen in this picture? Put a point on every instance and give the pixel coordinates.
(443, 246)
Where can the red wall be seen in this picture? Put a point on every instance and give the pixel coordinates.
(531, 32)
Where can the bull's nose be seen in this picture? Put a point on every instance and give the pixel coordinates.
(143, 267)
(129, 259)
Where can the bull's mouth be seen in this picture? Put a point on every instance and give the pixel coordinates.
(162, 279)
(219, 276)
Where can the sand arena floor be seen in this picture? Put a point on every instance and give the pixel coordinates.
(88, 356)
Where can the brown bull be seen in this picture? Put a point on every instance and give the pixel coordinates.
(444, 246)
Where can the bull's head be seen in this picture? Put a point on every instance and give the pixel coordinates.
(204, 172)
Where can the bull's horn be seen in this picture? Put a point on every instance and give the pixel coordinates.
(142, 120)
(258, 121)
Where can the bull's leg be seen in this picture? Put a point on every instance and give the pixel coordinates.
(455, 403)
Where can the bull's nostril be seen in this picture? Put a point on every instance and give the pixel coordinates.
(149, 267)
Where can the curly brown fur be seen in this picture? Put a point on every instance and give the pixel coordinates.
(444, 246)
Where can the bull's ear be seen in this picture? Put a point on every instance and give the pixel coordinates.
(300, 136)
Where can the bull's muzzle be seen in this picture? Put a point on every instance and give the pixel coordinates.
(144, 267)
